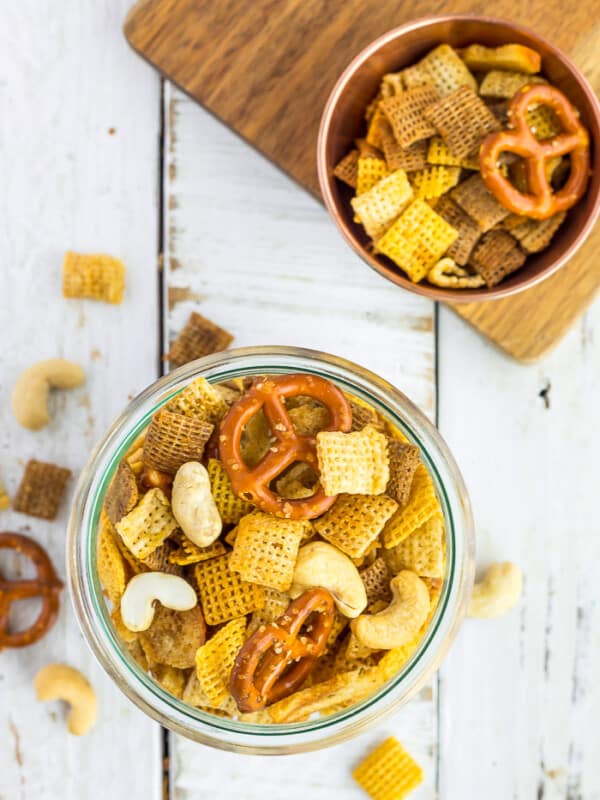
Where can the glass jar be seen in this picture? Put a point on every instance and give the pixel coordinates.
(94, 615)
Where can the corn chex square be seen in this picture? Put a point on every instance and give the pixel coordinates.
(369, 171)
(353, 463)
(346, 170)
(231, 507)
(434, 181)
(462, 120)
(148, 525)
(388, 772)
(173, 439)
(200, 400)
(96, 277)
(355, 521)
(443, 69)
(276, 604)
(378, 207)
(266, 548)
(503, 84)
(438, 152)
(417, 240)
(421, 506)
(422, 551)
(405, 114)
(223, 593)
(215, 659)
(189, 553)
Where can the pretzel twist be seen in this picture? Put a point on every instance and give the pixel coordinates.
(541, 202)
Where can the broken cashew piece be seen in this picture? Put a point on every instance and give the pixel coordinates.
(448, 274)
(498, 592)
(193, 505)
(322, 564)
(61, 682)
(30, 394)
(137, 602)
(400, 622)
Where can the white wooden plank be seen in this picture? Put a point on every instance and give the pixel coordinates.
(256, 254)
(79, 116)
(521, 700)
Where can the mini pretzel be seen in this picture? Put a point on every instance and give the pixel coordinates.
(46, 584)
(253, 483)
(542, 202)
(279, 656)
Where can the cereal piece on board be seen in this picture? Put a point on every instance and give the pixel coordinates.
(363, 415)
(405, 114)
(438, 152)
(378, 207)
(173, 440)
(376, 579)
(111, 567)
(174, 636)
(148, 525)
(369, 172)
(223, 594)
(535, 235)
(469, 232)
(231, 508)
(266, 548)
(462, 120)
(505, 84)
(422, 505)
(480, 204)
(199, 337)
(543, 122)
(347, 169)
(422, 551)
(409, 159)
(404, 460)
(276, 603)
(215, 658)
(434, 181)
(354, 522)
(201, 400)
(189, 553)
(97, 277)
(447, 274)
(122, 494)
(417, 240)
(496, 256)
(443, 69)
(388, 772)
(353, 463)
(41, 489)
(511, 57)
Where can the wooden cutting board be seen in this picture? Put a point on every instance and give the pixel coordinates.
(266, 67)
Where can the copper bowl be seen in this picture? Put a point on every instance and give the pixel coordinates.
(343, 121)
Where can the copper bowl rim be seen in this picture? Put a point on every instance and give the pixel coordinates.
(391, 273)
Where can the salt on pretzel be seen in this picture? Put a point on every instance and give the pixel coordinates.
(542, 202)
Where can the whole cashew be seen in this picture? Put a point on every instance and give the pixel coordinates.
(400, 622)
(30, 394)
(61, 682)
(322, 564)
(137, 602)
(193, 505)
(498, 592)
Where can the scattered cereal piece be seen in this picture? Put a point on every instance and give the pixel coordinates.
(480, 204)
(122, 494)
(369, 172)
(148, 525)
(353, 463)
(434, 181)
(422, 504)
(174, 636)
(355, 521)
(41, 489)
(496, 256)
(405, 114)
(505, 84)
(403, 460)
(422, 551)
(462, 120)
(173, 440)
(199, 337)
(510, 57)
(112, 571)
(223, 594)
(98, 277)
(535, 235)
(378, 207)
(347, 169)
(214, 660)
(443, 69)
(389, 772)
(200, 400)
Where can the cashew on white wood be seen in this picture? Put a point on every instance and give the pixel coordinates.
(498, 592)
(30, 393)
(322, 564)
(61, 682)
(398, 623)
(193, 505)
(137, 602)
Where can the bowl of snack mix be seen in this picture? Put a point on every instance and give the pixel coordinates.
(270, 550)
(456, 156)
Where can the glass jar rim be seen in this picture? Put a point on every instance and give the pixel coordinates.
(93, 614)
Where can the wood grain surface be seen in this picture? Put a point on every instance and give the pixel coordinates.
(266, 70)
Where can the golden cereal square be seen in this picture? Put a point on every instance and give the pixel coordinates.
(369, 171)
(276, 604)
(231, 507)
(438, 152)
(223, 593)
(378, 207)
(200, 400)
(353, 463)
(148, 525)
(215, 659)
(266, 548)
(41, 489)
(199, 337)
(421, 506)
(441, 68)
(189, 553)
(97, 277)
(505, 84)
(174, 439)
(417, 240)
(355, 521)
(388, 772)
(434, 181)
(422, 552)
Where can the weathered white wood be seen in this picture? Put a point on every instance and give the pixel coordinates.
(521, 694)
(262, 258)
(68, 79)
